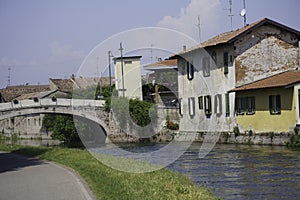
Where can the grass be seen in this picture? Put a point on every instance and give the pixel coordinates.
(107, 183)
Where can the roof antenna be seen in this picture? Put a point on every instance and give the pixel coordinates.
(199, 28)
(8, 77)
(243, 13)
(230, 13)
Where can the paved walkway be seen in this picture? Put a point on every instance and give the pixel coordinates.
(28, 178)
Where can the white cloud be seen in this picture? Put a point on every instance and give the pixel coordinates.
(209, 12)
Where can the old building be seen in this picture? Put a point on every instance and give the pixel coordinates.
(128, 76)
(208, 72)
(270, 104)
(30, 126)
(164, 84)
(164, 78)
(12, 92)
(24, 126)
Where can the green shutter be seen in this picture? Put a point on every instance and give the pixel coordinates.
(278, 103)
(270, 104)
(225, 61)
(227, 104)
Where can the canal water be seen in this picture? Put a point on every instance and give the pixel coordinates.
(241, 171)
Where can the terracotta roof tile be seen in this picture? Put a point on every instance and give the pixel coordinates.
(228, 37)
(167, 63)
(11, 92)
(64, 85)
(279, 80)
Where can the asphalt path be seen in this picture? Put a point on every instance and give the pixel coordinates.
(23, 178)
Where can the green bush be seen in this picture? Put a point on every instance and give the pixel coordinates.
(236, 131)
(294, 140)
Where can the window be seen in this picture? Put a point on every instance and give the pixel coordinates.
(231, 60)
(275, 104)
(227, 105)
(190, 70)
(200, 102)
(214, 57)
(218, 104)
(251, 105)
(207, 105)
(225, 62)
(183, 67)
(191, 106)
(206, 67)
(180, 106)
(245, 105)
(127, 62)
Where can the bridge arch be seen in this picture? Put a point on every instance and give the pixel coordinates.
(92, 110)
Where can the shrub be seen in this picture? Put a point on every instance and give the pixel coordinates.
(172, 126)
(236, 131)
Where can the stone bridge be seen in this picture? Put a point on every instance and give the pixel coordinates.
(87, 109)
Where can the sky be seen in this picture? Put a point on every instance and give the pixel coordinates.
(42, 39)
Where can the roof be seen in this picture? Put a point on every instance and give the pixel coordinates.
(165, 64)
(90, 81)
(67, 85)
(127, 57)
(284, 79)
(232, 36)
(11, 92)
(40, 95)
(64, 85)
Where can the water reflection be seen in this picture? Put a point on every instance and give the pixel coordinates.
(240, 171)
(244, 172)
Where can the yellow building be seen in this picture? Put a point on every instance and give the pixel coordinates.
(269, 105)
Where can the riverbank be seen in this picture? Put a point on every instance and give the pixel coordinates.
(107, 183)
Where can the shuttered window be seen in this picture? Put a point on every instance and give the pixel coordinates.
(275, 104)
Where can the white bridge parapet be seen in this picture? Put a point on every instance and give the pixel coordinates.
(49, 102)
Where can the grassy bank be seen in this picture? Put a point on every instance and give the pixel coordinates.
(107, 183)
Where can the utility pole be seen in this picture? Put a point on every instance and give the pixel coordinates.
(122, 68)
(109, 69)
(97, 67)
(151, 51)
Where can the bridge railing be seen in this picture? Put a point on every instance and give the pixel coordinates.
(49, 102)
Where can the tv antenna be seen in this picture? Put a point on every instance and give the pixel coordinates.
(199, 28)
(97, 59)
(230, 14)
(151, 51)
(243, 12)
(8, 77)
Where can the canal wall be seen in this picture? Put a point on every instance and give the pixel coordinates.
(269, 138)
(165, 135)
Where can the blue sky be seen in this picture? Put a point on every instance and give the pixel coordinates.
(41, 39)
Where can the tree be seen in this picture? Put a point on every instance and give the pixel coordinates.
(62, 128)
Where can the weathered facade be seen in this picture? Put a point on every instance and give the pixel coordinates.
(210, 70)
(29, 127)
(269, 105)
